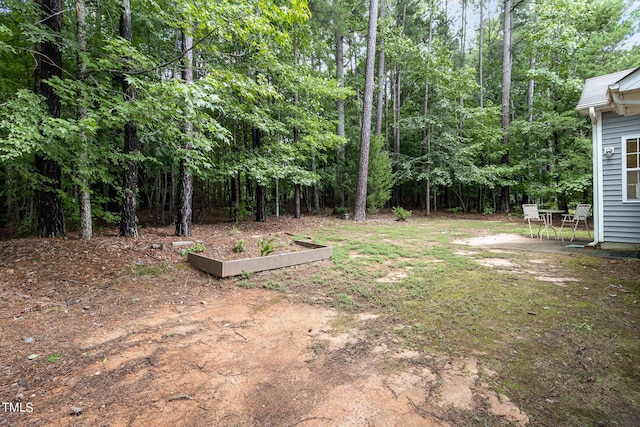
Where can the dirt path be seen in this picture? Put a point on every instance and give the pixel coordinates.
(188, 354)
(251, 358)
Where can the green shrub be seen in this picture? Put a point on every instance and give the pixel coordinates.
(400, 213)
(488, 210)
(340, 211)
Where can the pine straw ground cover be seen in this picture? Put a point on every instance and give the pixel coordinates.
(404, 326)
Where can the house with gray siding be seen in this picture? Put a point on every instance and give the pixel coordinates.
(613, 104)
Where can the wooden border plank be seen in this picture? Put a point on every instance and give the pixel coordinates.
(254, 265)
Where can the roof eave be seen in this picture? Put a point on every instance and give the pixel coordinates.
(598, 106)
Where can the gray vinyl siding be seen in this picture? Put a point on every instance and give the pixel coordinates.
(621, 221)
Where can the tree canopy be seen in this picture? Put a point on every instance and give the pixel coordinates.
(273, 109)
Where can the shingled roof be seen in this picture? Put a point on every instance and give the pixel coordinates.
(596, 90)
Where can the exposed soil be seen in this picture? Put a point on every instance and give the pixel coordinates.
(123, 332)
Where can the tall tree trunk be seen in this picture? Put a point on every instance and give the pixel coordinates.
(365, 132)
(505, 194)
(296, 201)
(276, 196)
(236, 197)
(480, 53)
(84, 195)
(463, 47)
(184, 210)
(316, 195)
(128, 226)
(397, 99)
(530, 99)
(261, 191)
(381, 72)
(463, 30)
(261, 203)
(172, 193)
(339, 54)
(426, 134)
(296, 193)
(48, 65)
(396, 132)
(481, 81)
(531, 90)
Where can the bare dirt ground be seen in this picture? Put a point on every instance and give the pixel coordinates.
(116, 332)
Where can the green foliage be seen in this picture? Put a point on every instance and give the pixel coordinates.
(54, 357)
(20, 120)
(401, 213)
(245, 276)
(195, 248)
(345, 302)
(380, 176)
(488, 210)
(266, 246)
(240, 246)
(268, 66)
(340, 211)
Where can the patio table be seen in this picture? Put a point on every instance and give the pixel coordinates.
(549, 222)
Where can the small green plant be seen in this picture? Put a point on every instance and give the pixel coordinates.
(54, 357)
(584, 326)
(266, 246)
(401, 213)
(245, 280)
(246, 275)
(195, 248)
(240, 246)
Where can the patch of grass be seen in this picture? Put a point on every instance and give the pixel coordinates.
(144, 269)
(530, 331)
(195, 248)
(274, 285)
(345, 301)
(566, 354)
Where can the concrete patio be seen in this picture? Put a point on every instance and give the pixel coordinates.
(525, 243)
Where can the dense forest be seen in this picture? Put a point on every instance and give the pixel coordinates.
(272, 107)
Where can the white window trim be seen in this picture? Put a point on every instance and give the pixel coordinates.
(623, 164)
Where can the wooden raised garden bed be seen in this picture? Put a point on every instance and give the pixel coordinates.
(236, 267)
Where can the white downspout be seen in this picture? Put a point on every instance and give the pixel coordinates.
(598, 198)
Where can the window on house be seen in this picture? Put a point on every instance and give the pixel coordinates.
(632, 169)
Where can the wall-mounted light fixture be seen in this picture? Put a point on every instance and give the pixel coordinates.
(608, 151)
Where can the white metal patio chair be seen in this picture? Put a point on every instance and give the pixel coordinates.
(581, 214)
(531, 214)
